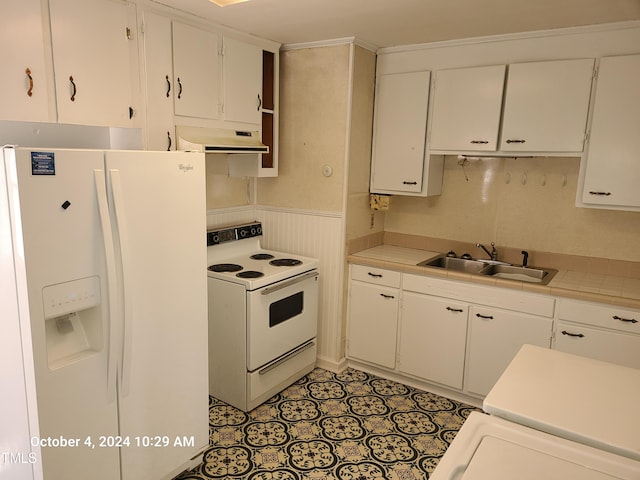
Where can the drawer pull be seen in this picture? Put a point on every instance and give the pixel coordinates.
(375, 275)
(602, 194)
(516, 141)
(386, 296)
(579, 335)
(486, 317)
(457, 310)
(73, 89)
(479, 142)
(27, 72)
(409, 183)
(622, 319)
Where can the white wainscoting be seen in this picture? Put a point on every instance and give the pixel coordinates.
(312, 234)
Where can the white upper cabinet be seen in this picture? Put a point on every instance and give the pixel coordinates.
(539, 107)
(23, 83)
(546, 106)
(242, 81)
(467, 103)
(94, 50)
(399, 132)
(612, 174)
(159, 82)
(196, 70)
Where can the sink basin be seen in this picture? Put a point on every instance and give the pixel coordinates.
(458, 264)
(524, 274)
(541, 276)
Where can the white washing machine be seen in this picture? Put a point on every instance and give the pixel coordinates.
(554, 416)
(491, 448)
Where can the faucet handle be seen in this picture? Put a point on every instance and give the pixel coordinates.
(525, 258)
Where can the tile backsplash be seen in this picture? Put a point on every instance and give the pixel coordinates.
(520, 204)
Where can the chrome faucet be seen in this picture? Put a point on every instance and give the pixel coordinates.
(493, 254)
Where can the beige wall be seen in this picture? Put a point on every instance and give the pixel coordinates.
(494, 205)
(313, 122)
(224, 191)
(359, 215)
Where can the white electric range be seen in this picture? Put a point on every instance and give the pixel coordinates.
(263, 314)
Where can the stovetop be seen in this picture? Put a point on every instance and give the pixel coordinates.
(234, 254)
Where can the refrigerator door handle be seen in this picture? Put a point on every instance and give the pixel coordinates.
(112, 283)
(127, 287)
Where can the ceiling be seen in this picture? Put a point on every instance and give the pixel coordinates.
(387, 23)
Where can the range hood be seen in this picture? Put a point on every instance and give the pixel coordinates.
(219, 140)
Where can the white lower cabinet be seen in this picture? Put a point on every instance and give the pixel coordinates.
(463, 336)
(373, 315)
(494, 338)
(602, 332)
(453, 334)
(433, 334)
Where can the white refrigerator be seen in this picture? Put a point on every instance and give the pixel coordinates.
(115, 259)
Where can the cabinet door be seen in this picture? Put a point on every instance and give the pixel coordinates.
(93, 47)
(495, 336)
(399, 132)
(433, 335)
(546, 106)
(373, 324)
(242, 82)
(159, 82)
(23, 83)
(467, 103)
(612, 170)
(196, 72)
(608, 346)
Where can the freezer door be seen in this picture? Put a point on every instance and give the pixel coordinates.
(160, 215)
(65, 266)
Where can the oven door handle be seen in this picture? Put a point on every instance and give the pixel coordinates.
(293, 281)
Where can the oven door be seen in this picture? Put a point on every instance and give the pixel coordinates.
(281, 317)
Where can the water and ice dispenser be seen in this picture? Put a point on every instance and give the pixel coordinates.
(73, 320)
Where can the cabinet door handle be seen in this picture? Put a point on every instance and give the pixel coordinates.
(259, 102)
(480, 142)
(457, 310)
(409, 183)
(622, 319)
(168, 85)
(486, 317)
(386, 296)
(605, 194)
(516, 141)
(131, 112)
(169, 140)
(73, 91)
(28, 74)
(569, 334)
(179, 88)
(375, 275)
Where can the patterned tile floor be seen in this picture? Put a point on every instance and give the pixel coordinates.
(326, 426)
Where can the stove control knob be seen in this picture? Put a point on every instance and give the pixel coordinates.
(243, 233)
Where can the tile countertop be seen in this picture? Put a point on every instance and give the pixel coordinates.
(608, 289)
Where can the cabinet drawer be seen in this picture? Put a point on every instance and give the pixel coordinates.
(599, 315)
(614, 347)
(374, 275)
(491, 296)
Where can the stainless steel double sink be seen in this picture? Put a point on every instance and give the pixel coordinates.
(492, 268)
